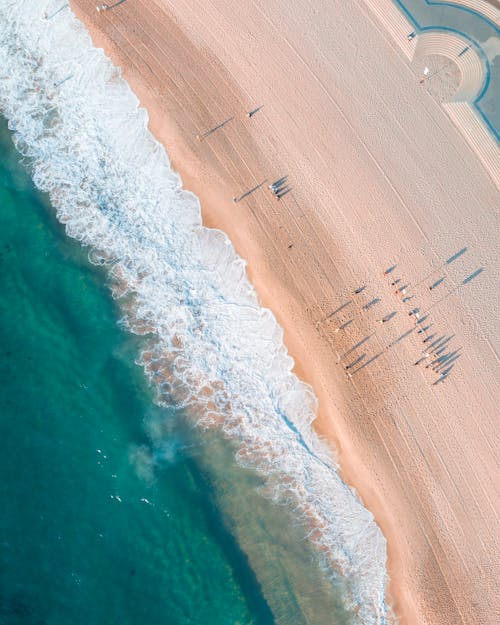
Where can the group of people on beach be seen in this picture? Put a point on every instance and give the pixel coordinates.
(280, 187)
(442, 361)
(436, 353)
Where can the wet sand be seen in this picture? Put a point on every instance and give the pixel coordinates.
(380, 177)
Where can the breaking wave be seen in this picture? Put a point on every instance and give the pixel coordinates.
(211, 347)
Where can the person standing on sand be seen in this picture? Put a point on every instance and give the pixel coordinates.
(254, 111)
(424, 357)
(108, 7)
(424, 329)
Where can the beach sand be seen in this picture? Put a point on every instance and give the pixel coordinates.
(380, 177)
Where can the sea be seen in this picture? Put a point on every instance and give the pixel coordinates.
(158, 460)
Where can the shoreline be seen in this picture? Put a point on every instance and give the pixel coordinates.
(308, 334)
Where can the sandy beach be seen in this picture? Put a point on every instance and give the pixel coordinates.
(380, 177)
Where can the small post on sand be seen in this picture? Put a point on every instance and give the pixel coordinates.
(108, 7)
(237, 199)
(211, 130)
(424, 75)
(254, 111)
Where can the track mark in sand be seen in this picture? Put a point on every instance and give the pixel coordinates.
(346, 120)
(493, 350)
(244, 160)
(433, 545)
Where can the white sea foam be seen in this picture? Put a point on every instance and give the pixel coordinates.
(213, 348)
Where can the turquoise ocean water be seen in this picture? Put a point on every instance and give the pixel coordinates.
(112, 509)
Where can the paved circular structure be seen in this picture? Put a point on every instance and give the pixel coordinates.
(444, 77)
(457, 72)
